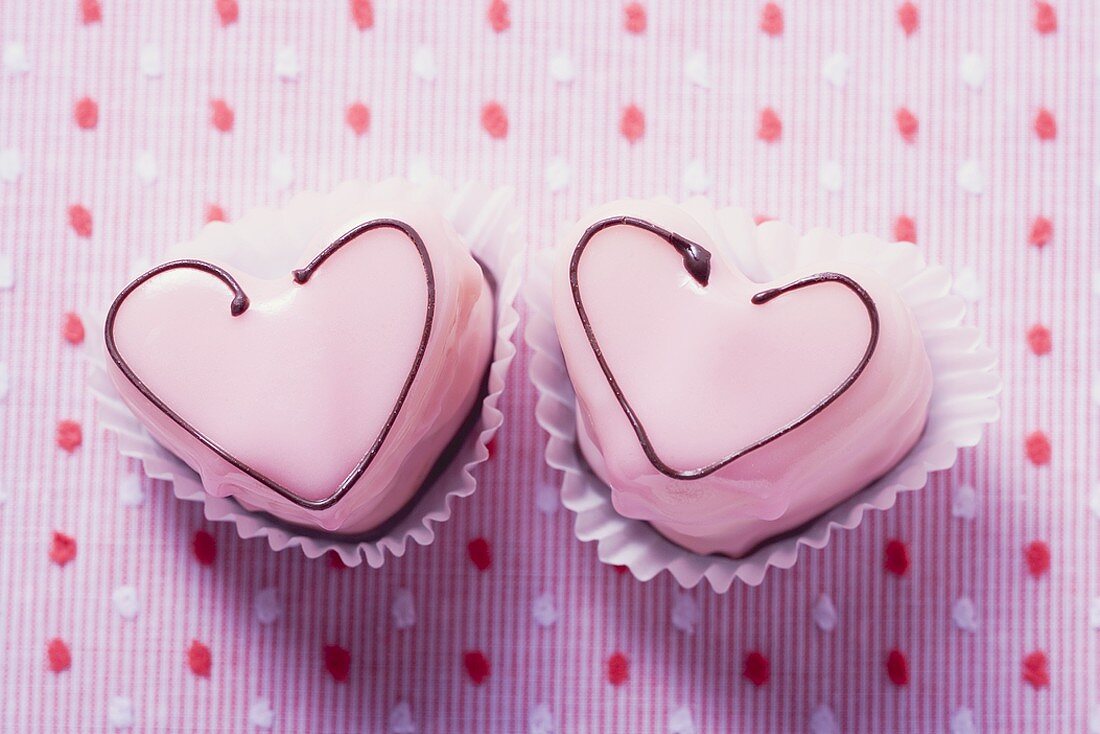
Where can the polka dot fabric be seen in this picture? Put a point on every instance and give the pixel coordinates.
(968, 128)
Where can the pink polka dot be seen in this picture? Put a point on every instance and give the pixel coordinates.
(86, 113)
(1041, 231)
(632, 124)
(1038, 448)
(358, 118)
(494, 120)
(897, 668)
(221, 115)
(907, 124)
(1037, 557)
(1046, 20)
(771, 20)
(80, 219)
(69, 435)
(72, 329)
(90, 11)
(1045, 127)
(214, 213)
(62, 548)
(199, 659)
(498, 16)
(634, 18)
(908, 18)
(618, 669)
(1038, 339)
(227, 10)
(362, 14)
(1036, 671)
(905, 229)
(476, 665)
(770, 127)
(58, 657)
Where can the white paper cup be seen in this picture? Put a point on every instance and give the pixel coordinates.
(965, 384)
(487, 223)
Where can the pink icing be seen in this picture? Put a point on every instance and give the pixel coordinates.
(708, 372)
(299, 386)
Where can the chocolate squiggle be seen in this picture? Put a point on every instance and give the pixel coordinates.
(238, 306)
(696, 260)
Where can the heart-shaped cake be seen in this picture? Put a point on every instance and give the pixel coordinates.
(722, 410)
(324, 394)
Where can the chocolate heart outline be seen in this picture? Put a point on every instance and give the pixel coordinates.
(238, 306)
(696, 260)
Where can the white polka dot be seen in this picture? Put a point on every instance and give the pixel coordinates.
(7, 271)
(150, 61)
(1094, 719)
(823, 721)
(967, 286)
(145, 167)
(680, 721)
(120, 712)
(268, 605)
(11, 165)
(973, 70)
(15, 58)
(830, 176)
(130, 493)
(541, 720)
(696, 180)
(546, 498)
(835, 69)
(962, 722)
(423, 64)
(1094, 500)
(260, 714)
(545, 611)
(824, 613)
(401, 720)
(561, 68)
(696, 70)
(557, 174)
(420, 172)
(403, 610)
(964, 502)
(1094, 613)
(971, 177)
(281, 171)
(1096, 283)
(5, 495)
(965, 615)
(287, 67)
(5, 380)
(685, 613)
(125, 601)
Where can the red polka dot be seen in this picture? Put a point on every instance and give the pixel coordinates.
(69, 436)
(228, 12)
(72, 328)
(494, 120)
(620, 570)
(491, 447)
(62, 548)
(771, 20)
(1041, 231)
(358, 117)
(1037, 557)
(618, 669)
(757, 669)
(335, 561)
(80, 219)
(58, 657)
(1038, 448)
(215, 213)
(221, 115)
(897, 557)
(907, 124)
(362, 14)
(909, 18)
(905, 229)
(1035, 669)
(1038, 339)
(770, 127)
(1046, 20)
(897, 668)
(634, 18)
(337, 662)
(476, 665)
(498, 16)
(198, 659)
(1045, 127)
(632, 123)
(204, 547)
(86, 113)
(90, 11)
(480, 554)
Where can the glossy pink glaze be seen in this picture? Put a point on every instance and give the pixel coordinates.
(299, 386)
(709, 373)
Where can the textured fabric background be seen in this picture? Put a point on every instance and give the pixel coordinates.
(123, 121)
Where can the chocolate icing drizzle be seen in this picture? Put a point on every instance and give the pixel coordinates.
(696, 261)
(238, 306)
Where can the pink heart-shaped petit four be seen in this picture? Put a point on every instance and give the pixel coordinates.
(722, 410)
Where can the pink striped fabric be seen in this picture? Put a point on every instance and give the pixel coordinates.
(1001, 131)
